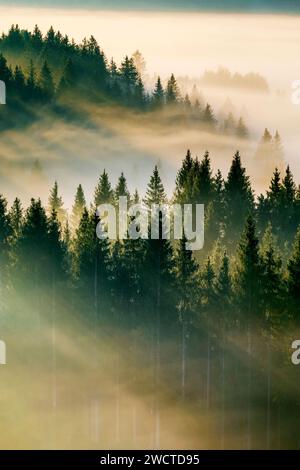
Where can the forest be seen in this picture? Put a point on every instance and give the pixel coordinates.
(216, 327)
(142, 343)
(54, 73)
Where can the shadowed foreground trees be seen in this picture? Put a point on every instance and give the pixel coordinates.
(204, 315)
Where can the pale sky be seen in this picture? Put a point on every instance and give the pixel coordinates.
(183, 43)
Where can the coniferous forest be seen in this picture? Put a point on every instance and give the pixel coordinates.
(51, 72)
(143, 343)
(212, 326)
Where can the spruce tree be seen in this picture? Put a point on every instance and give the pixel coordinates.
(92, 267)
(203, 185)
(46, 82)
(55, 203)
(16, 217)
(270, 208)
(224, 286)
(32, 88)
(121, 189)
(208, 117)
(172, 91)
(68, 78)
(272, 285)
(56, 250)
(248, 276)
(278, 149)
(186, 272)
(155, 193)
(158, 94)
(6, 232)
(37, 38)
(103, 191)
(78, 207)
(33, 247)
(288, 222)
(293, 280)
(5, 72)
(239, 201)
(184, 180)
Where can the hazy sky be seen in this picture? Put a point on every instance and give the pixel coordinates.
(225, 5)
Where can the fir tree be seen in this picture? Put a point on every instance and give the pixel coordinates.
(92, 265)
(293, 280)
(56, 249)
(5, 72)
(68, 78)
(46, 82)
(37, 38)
(184, 180)
(203, 186)
(172, 91)
(16, 218)
(33, 246)
(5, 235)
(158, 94)
(288, 195)
(78, 207)
(55, 203)
(208, 117)
(121, 189)
(272, 286)
(239, 200)
(103, 191)
(186, 270)
(31, 82)
(248, 275)
(155, 193)
(241, 129)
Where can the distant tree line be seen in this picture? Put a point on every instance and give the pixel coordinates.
(51, 68)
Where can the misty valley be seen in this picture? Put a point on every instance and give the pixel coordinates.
(121, 334)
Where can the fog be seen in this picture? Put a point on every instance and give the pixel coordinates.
(67, 385)
(241, 42)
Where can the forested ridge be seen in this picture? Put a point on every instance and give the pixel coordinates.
(214, 328)
(52, 72)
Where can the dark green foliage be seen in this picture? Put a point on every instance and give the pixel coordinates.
(155, 193)
(78, 207)
(186, 271)
(55, 204)
(248, 275)
(103, 191)
(156, 290)
(293, 280)
(6, 231)
(238, 199)
(16, 218)
(46, 82)
(272, 280)
(172, 91)
(158, 94)
(121, 189)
